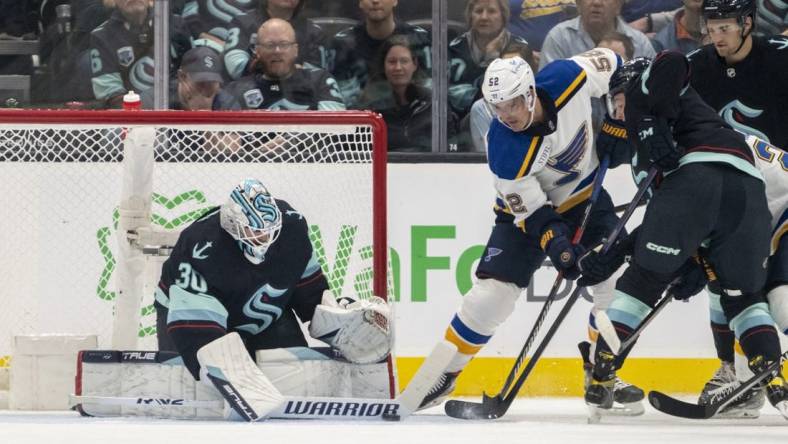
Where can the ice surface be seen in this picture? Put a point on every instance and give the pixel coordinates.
(530, 420)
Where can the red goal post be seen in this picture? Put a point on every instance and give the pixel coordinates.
(63, 174)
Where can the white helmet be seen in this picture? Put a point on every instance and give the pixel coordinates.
(252, 217)
(506, 79)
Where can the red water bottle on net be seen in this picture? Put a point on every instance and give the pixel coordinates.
(132, 102)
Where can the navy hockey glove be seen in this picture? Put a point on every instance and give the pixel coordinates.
(563, 254)
(596, 267)
(612, 142)
(656, 136)
(691, 279)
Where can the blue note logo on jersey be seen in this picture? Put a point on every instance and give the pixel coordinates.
(567, 161)
(257, 307)
(492, 252)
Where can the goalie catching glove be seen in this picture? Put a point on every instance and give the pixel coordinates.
(358, 330)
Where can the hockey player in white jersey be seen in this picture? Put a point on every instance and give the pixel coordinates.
(540, 152)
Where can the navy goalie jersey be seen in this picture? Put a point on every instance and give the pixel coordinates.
(209, 288)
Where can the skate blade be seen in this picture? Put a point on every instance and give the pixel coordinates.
(738, 414)
(595, 413)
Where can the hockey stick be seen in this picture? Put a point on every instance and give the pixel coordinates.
(675, 407)
(558, 280)
(291, 408)
(608, 332)
(493, 407)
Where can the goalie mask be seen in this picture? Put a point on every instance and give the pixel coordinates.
(506, 80)
(252, 218)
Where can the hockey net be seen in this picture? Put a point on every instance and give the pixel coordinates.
(63, 174)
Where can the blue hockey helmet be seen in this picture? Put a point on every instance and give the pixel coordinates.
(252, 218)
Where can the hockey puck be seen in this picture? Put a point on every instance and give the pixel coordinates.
(390, 417)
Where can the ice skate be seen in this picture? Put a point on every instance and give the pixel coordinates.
(440, 391)
(777, 393)
(724, 381)
(613, 397)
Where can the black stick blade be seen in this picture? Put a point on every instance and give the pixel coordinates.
(675, 407)
(489, 408)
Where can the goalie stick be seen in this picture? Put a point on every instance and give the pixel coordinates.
(493, 407)
(676, 407)
(291, 408)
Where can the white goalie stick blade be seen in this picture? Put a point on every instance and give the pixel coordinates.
(608, 332)
(293, 407)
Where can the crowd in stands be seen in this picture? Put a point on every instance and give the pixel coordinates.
(310, 55)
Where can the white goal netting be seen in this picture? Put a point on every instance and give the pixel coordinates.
(62, 174)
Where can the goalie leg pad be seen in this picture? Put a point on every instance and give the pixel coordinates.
(359, 330)
(304, 371)
(159, 381)
(778, 306)
(226, 363)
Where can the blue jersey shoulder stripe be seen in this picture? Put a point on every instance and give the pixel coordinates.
(511, 155)
(562, 79)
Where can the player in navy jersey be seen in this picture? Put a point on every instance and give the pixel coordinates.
(249, 267)
(710, 201)
(741, 76)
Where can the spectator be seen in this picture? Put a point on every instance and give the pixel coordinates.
(649, 16)
(470, 53)
(242, 36)
(683, 33)
(481, 115)
(532, 20)
(211, 18)
(619, 43)
(395, 92)
(597, 18)
(355, 49)
(278, 83)
(121, 51)
(198, 81)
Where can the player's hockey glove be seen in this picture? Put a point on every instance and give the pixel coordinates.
(563, 254)
(612, 142)
(656, 136)
(691, 279)
(596, 267)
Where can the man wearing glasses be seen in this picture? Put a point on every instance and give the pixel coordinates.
(276, 81)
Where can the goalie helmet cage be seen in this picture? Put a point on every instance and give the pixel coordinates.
(71, 180)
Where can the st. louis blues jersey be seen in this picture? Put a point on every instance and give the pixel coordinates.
(773, 164)
(552, 163)
(210, 288)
